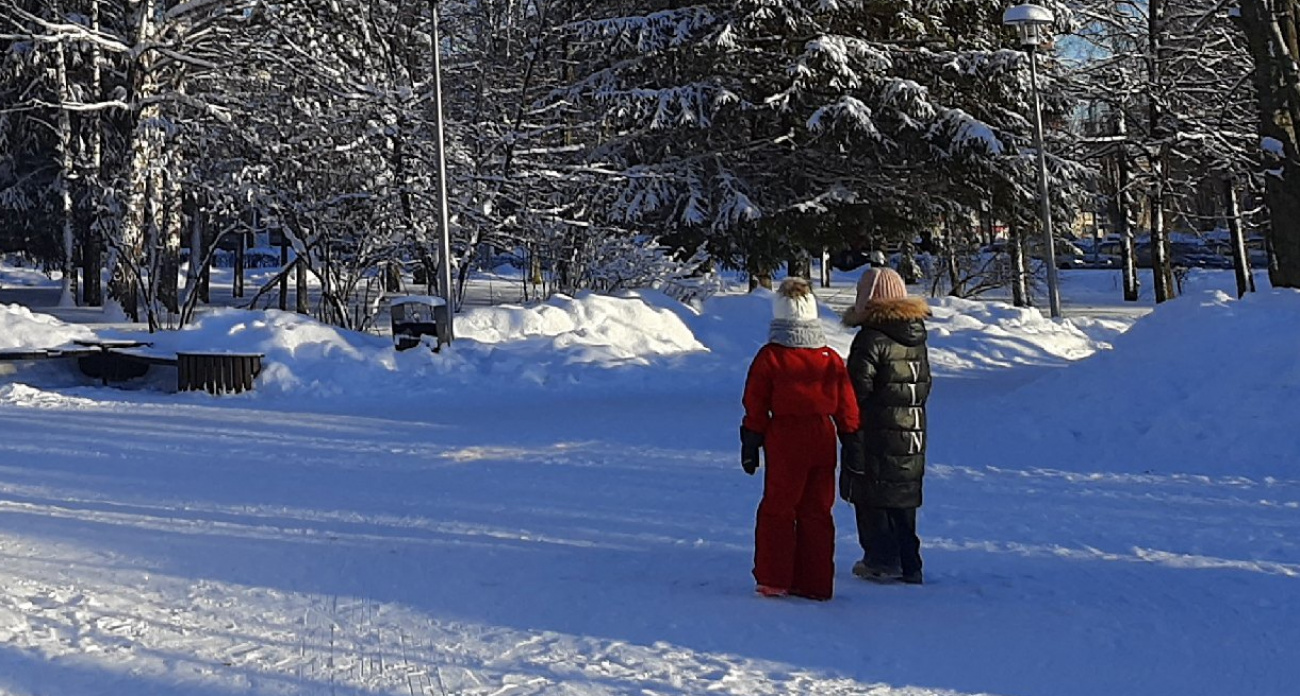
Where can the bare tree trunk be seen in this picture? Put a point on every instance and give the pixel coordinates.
(327, 285)
(241, 241)
(1027, 267)
(908, 266)
(392, 277)
(956, 288)
(1121, 218)
(1019, 274)
(1270, 32)
(986, 225)
(1160, 270)
(284, 277)
(300, 294)
(92, 260)
(1128, 258)
(194, 275)
(205, 280)
(139, 224)
(68, 296)
(759, 277)
(800, 265)
(169, 265)
(1240, 259)
(156, 265)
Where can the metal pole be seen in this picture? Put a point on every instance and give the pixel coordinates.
(1053, 279)
(445, 332)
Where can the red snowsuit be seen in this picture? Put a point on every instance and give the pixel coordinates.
(791, 395)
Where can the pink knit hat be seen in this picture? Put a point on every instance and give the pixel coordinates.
(879, 284)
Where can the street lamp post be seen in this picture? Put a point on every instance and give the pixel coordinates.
(445, 287)
(1033, 23)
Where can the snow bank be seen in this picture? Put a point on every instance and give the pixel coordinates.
(21, 329)
(302, 355)
(628, 327)
(1203, 378)
(20, 276)
(566, 341)
(1205, 384)
(31, 397)
(625, 342)
(966, 334)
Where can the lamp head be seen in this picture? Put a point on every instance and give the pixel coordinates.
(1032, 22)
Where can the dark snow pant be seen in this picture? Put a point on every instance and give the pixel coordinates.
(888, 538)
(794, 538)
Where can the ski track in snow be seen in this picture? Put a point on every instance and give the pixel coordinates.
(215, 547)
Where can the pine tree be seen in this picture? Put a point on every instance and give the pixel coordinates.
(768, 125)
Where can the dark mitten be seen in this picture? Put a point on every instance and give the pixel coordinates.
(750, 442)
(853, 465)
(852, 456)
(847, 479)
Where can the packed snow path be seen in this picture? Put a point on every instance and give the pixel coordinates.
(179, 544)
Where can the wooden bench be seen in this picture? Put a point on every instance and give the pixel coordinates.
(217, 373)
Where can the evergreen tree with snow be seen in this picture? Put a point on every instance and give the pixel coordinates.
(748, 120)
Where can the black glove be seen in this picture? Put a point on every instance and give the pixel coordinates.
(852, 455)
(851, 482)
(750, 442)
(853, 465)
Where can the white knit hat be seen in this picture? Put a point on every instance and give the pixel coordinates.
(794, 301)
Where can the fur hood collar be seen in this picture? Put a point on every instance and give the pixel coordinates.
(888, 311)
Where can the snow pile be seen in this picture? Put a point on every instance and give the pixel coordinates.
(301, 355)
(20, 329)
(31, 397)
(564, 341)
(639, 340)
(593, 327)
(1203, 385)
(19, 276)
(966, 334)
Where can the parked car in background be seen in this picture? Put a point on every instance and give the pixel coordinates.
(853, 258)
(1256, 251)
(1093, 255)
(1208, 254)
(1185, 254)
(1111, 249)
(1068, 254)
(1199, 256)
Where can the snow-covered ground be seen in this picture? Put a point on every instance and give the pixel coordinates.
(554, 506)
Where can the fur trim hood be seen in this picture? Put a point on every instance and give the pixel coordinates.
(888, 311)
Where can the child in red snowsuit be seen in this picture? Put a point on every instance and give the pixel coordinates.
(797, 398)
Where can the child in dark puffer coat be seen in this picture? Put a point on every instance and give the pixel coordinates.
(890, 369)
(798, 398)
